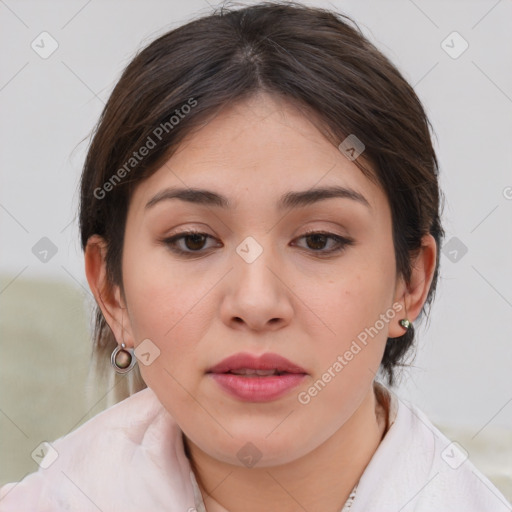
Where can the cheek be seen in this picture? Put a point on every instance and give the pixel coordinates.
(161, 294)
(356, 305)
(354, 298)
(347, 359)
(168, 313)
(162, 301)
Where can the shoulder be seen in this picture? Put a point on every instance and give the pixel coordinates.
(417, 468)
(109, 459)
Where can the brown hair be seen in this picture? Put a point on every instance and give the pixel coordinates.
(316, 58)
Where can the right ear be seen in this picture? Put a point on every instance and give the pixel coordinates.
(107, 296)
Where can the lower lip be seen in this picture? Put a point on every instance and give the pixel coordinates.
(257, 389)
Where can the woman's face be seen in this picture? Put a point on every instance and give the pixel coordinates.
(253, 282)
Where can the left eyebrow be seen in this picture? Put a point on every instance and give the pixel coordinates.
(289, 200)
(307, 197)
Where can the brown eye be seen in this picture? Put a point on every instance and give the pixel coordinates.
(325, 243)
(317, 241)
(188, 243)
(194, 242)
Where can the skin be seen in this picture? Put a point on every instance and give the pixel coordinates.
(290, 301)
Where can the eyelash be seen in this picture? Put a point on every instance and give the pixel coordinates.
(341, 242)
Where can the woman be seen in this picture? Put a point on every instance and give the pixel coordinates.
(260, 220)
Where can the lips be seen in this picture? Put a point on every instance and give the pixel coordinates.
(249, 372)
(257, 378)
(260, 365)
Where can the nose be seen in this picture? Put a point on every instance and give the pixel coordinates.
(258, 297)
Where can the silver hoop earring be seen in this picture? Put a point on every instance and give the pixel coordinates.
(122, 359)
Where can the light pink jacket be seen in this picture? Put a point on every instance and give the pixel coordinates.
(130, 458)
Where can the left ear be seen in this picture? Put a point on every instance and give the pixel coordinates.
(412, 295)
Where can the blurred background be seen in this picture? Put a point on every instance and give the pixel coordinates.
(61, 60)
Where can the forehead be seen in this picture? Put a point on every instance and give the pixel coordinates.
(258, 149)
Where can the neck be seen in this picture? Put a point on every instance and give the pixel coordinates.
(321, 480)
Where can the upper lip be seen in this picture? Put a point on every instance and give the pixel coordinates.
(267, 361)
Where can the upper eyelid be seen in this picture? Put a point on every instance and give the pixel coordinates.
(344, 240)
(184, 233)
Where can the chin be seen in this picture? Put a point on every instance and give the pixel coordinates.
(253, 447)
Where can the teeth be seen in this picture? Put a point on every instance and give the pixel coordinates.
(250, 372)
